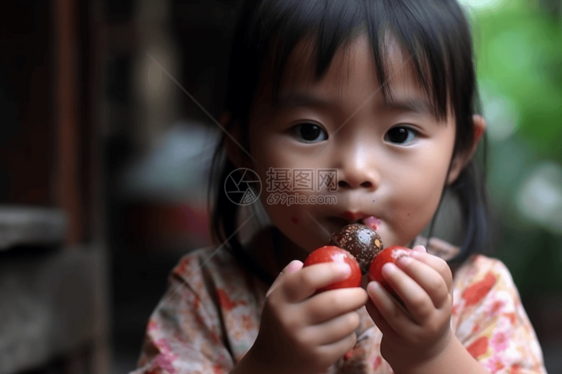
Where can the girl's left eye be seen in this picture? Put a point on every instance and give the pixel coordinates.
(310, 133)
(400, 135)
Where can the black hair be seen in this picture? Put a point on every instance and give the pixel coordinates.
(435, 33)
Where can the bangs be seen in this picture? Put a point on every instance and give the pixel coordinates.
(434, 39)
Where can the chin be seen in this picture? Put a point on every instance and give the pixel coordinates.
(306, 239)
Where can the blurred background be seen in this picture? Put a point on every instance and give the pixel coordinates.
(105, 144)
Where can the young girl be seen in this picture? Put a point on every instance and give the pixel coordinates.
(382, 94)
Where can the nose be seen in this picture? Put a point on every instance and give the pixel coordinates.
(356, 170)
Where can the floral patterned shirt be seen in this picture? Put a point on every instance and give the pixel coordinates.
(210, 315)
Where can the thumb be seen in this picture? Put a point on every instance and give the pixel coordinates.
(292, 267)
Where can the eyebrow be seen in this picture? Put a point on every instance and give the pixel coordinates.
(293, 99)
(414, 105)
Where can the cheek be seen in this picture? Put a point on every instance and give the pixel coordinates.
(427, 191)
(417, 191)
(272, 153)
(415, 207)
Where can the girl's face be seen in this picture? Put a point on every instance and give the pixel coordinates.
(391, 160)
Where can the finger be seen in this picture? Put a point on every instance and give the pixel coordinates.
(302, 284)
(427, 278)
(340, 347)
(340, 301)
(438, 264)
(419, 248)
(389, 309)
(416, 300)
(378, 319)
(292, 267)
(334, 329)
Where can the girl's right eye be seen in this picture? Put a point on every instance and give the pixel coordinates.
(310, 133)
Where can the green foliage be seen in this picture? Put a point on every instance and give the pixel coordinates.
(519, 53)
(519, 59)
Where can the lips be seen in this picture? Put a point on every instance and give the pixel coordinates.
(353, 216)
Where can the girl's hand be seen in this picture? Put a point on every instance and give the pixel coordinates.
(410, 339)
(304, 332)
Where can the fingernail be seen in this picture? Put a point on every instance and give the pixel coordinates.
(294, 266)
(404, 260)
(389, 268)
(420, 248)
(373, 286)
(415, 254)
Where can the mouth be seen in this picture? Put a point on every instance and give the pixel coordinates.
(349, 217)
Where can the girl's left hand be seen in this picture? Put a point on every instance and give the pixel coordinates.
(423, 282)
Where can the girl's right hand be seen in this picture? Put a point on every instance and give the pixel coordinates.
(304, 332)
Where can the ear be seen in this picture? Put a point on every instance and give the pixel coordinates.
(233, 141)
(461, 160)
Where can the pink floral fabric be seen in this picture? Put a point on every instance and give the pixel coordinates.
(209, 318)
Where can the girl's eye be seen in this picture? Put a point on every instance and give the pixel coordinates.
(400, 135)
(309, 132)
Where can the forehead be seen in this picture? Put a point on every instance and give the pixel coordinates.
(354, 59)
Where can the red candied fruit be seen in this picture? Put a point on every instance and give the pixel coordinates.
(390, 254)
(330, 253)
